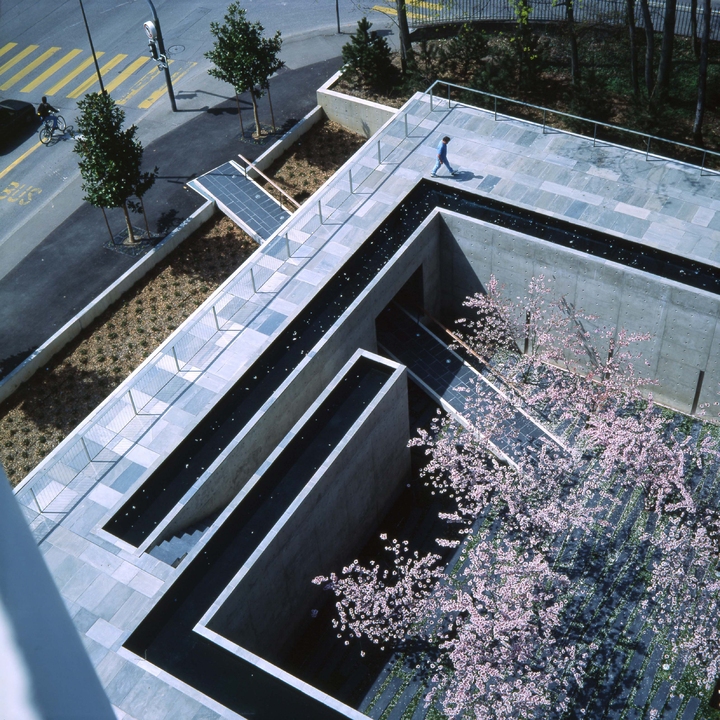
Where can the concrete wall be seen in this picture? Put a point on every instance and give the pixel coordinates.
(45, 671)
(354, 329)
(102, 302)
(363, 117)
(272, 595)
(684, 321)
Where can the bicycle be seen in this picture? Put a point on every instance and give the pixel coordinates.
(48, 127)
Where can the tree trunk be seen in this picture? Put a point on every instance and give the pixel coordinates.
(666, 51)
(633, 48)
(693, 28)
(237, 101)
(649, 46)
(404, 33)
(131, 235)
(574, 57)
(147, 226)
(258, 131)
(702, 73)
(108, 225)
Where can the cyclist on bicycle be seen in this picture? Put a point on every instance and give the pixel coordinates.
(45, 109)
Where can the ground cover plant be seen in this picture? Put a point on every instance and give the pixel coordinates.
(42, 412)
(584, 580)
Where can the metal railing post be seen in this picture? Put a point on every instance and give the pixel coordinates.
(87, 452)
(431, 98)
(252, 280)
(544, 116)
(320, 211)
(702, 167)
(287, 245)
(350, 179)
(594, 133)
(647, 150)
(132, 402)
(406, 130)
(495, 99)
(177, 364)
(217, 324)
(32, 492)
(379, 154)
(448, 87)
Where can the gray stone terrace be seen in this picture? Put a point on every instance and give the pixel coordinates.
(108, 585)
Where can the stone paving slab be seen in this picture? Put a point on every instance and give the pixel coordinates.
(108, 584)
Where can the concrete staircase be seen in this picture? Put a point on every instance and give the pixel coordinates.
(173, 550)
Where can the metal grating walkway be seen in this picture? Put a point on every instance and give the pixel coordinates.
(246, 203)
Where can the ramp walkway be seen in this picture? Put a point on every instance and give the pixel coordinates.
(245, 202)
(444, 373)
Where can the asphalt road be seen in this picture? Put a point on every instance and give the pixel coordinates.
(44, 49)
(71, 265)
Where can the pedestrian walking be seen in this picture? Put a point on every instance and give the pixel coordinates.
(442, 158)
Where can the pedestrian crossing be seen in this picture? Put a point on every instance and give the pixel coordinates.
(60, 73)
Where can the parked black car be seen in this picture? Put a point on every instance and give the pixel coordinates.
(15, 117)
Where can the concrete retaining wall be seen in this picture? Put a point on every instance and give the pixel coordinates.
(271, 595)
(359, 116)
(684, 322)
(102, 302)
(354, 329)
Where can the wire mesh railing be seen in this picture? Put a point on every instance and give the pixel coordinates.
(706, 161)
(424, 14)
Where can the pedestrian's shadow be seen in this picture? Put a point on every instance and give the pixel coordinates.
(463, 176)
(459, 176)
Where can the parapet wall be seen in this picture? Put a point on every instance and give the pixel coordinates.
(684, 322)
(271, 595)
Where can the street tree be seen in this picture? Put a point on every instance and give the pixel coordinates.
(110, 158)
(616, 486)
(244, 57)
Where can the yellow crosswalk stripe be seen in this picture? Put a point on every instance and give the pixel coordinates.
(148, 101)
(64, 60)
(85, 86)
(126, 73)
(17, 77)
(72, 75)
(7, 48)
(17, 58)
(142, 83)
(386, 10)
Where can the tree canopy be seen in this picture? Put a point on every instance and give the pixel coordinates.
(594, 540)
(243, 56)
(110, 156)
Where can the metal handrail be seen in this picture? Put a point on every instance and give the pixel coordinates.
(596, 124)
(252, 168)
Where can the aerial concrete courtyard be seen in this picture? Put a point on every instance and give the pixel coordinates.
(133, 505)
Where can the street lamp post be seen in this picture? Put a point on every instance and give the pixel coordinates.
(92, 48)
(161, 48)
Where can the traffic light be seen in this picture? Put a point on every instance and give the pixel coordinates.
(154, 52)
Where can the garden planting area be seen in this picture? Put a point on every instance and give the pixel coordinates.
(581, 583)
(37, 417)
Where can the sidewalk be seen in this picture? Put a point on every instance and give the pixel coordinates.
(71, 266)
